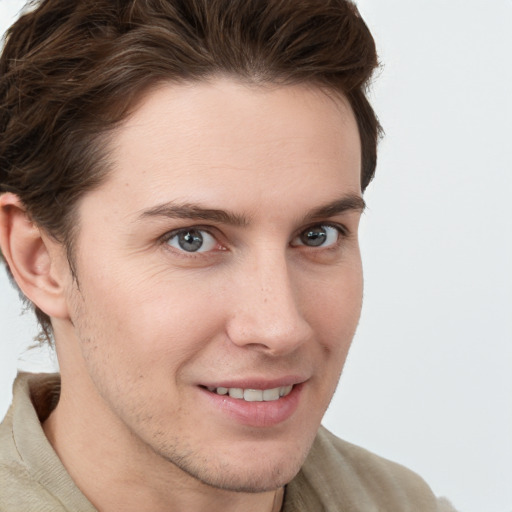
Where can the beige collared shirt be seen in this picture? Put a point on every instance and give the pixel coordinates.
(336, 477)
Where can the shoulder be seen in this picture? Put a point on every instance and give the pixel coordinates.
(337, 473)
(365, 467)
(18, 487)
(26, 462)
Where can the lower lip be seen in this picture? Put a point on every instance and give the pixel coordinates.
(256, 414)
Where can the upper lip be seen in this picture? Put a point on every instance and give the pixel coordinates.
(256, 383)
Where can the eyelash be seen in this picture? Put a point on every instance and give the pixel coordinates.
(342, 230)
(171, 234)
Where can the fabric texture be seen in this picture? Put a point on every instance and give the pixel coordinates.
(336, 477)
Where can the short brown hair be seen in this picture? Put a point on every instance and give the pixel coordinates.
(71, 70)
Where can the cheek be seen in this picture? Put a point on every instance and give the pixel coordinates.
(333, 305)
(146, 319)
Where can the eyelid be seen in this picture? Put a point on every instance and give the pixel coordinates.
(343, 230)
(342, 234)
(188, 227)
(164, 239)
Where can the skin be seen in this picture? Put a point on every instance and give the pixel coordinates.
(149, 325)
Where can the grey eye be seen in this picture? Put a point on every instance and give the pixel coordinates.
(192, 240)
(317, 236)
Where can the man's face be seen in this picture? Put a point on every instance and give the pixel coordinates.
(220, 256)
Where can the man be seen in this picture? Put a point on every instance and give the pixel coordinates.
(181, 189)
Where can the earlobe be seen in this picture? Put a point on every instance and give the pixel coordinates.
(31, 261)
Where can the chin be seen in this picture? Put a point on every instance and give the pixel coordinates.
(252, 472)
(249, 480)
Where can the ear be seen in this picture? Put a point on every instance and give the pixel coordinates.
(32, 257)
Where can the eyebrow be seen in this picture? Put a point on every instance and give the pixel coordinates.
(195, 212)
(350, 202)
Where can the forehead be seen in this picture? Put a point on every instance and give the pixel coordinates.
(212, 136)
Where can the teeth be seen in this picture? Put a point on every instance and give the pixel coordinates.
(285, 390)
(236, 392)
(254, 395)
(268, 395)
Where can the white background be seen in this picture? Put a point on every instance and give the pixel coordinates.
(429, 380)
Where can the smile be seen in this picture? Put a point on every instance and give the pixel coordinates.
(254, 395)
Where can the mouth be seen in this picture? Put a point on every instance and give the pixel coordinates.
(259, 404)
(253, 395)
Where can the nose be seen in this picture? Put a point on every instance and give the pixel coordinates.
(267, 314)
